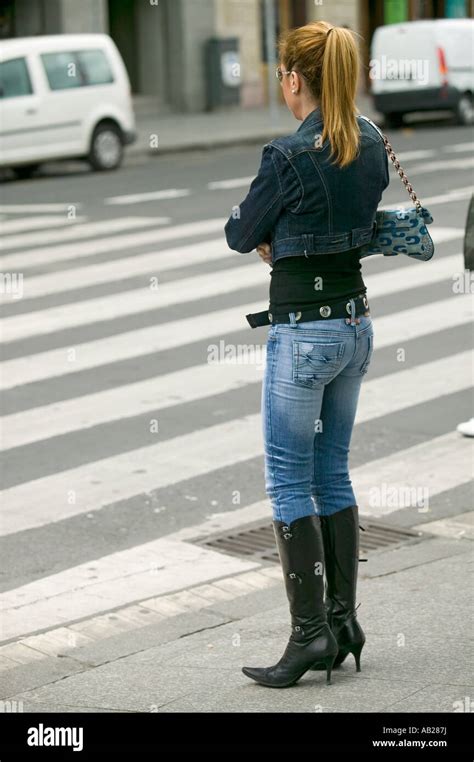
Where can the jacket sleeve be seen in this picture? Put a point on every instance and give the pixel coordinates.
(252, 222)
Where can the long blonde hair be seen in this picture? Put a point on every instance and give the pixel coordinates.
(330, 67)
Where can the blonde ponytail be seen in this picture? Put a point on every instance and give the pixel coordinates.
(328, 59)
(340, 71)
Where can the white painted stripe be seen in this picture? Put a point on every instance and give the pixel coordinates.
(199, 287)
(402, 480)
(443, 235)
(153, 262)
(413, 276)
(21, 208)
(459, 148)
(91, 486)
(156, 393)
(406, 325)
(454, 194)
(80, 251)
(35, 223)
(442, 165)
(132, 302)
(419, 154)
(155, 568)
(235, 182)
(382, 396)
(137, 198)
(88, 230)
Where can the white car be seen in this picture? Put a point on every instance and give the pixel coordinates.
(423, 66)
(63, 96)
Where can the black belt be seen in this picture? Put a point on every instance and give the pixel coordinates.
(339, 309)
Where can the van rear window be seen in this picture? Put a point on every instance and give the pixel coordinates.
(14, 78)
(80, 68)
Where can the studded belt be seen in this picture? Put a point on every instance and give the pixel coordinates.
(359, 305)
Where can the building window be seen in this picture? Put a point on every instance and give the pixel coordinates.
(14, 79)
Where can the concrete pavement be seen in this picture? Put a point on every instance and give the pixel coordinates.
(416, 611)
(164, 132)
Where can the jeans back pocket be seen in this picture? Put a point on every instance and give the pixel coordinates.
(316, 362)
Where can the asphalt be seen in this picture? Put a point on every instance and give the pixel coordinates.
(184, 651)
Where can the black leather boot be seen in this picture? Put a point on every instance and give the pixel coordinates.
(341, 549)
(301, 553)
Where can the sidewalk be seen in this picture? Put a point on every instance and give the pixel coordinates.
(416, 611)
(230, 126)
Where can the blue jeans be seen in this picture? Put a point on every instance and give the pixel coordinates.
(310, 391)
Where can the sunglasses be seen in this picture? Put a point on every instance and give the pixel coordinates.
(280, 72)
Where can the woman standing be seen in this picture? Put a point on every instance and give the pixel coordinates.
(308, 213)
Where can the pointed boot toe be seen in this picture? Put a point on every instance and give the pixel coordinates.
(301, 554)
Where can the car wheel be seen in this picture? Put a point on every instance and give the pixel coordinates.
(465, 109)
(25, 171)
(394, 119)
(106, 150)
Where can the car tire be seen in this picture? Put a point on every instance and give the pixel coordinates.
(393, 119)
(465, 109)
(106, 151)
(24, 171)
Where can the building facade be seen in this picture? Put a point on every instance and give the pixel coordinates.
(163, 42)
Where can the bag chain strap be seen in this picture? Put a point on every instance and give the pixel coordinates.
(402, 174)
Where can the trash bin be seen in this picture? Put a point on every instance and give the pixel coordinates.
(222, 72)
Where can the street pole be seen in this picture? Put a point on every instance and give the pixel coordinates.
(270, 38)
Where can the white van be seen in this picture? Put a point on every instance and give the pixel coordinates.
(423, 66)
(63, 96)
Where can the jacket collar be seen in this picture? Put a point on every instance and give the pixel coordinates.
(313, 118)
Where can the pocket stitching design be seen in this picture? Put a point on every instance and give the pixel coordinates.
(313, 375)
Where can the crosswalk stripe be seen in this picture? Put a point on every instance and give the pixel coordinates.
(96, 484)
(136, 198)
(459, 147)
(410, 324)
(382, 396)
(201, 286)
(128, 267)
(412, 477)
(123, 402)
(233, 182)
(25, 208)
(451, 195)
(140, 300)
(130, 575)
(35, 223)
(128, 303)
(440, 165)
(75, 232)
(81, 251)
(154, 568)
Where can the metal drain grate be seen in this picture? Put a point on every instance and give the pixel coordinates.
(257, 541)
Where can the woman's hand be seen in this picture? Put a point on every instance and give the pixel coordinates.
(264, 251)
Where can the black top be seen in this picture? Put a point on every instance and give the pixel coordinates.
(301, 282)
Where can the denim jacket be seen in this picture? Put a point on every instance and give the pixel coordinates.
(302, 204)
